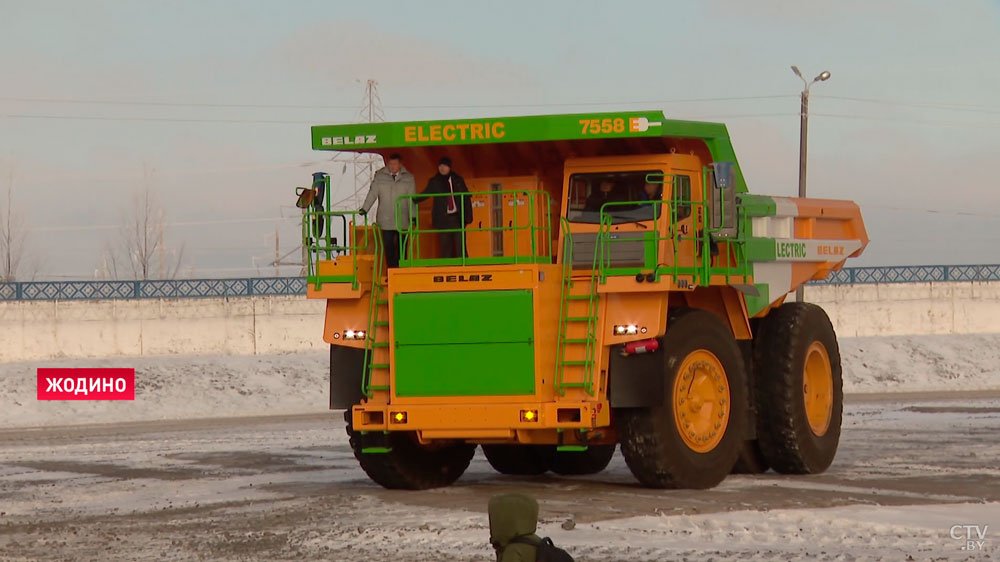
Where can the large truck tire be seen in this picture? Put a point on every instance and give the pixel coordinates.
(692, 439)
(751, 459)
(574, 463)
(408, 465)
(799, 389)
(519, 460)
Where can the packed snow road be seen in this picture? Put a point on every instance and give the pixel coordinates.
(910, 468)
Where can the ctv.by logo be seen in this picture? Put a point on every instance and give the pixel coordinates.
(973, 536)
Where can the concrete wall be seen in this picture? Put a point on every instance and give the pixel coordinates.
(259, 325)
(239, 326)
(910, 308)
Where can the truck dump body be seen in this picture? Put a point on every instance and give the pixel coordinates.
(588, 233)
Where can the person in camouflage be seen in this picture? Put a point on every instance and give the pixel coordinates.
(513, 516)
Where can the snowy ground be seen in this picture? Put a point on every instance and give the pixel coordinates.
(183, 387)
(288, 488)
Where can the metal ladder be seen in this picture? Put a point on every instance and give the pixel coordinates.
(373, 343)
(578, 307)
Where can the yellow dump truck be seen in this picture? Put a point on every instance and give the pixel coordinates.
(619, 285)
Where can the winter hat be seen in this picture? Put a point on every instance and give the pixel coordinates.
(445, 160)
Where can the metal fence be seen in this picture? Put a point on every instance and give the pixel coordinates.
(169, 289)
(912, 274)
(278, 286)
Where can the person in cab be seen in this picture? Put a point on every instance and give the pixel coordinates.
(607, 192)
(651, 192)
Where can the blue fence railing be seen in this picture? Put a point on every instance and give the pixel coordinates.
(912, 274)
(278, 286)
(159, 289)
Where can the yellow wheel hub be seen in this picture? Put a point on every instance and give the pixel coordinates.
(817, 388)
(701, 401)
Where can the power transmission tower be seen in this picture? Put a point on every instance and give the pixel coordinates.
(364, 164)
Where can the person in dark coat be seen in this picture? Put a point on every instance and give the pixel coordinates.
(448, 211)
(608, 192)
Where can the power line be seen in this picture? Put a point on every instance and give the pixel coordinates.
(987, 124)
(407, 106)
(921, 104)
(573, 104)
(172, 104)
(292, 122)
(162, 119)
(168, 224)
(949, 212)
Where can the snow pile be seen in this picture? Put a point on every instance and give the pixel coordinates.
(921, 363)
(175, 387)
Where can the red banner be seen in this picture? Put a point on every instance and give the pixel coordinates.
(86, 384)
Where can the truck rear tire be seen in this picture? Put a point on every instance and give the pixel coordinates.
(577, 463)
(519, 460)
(693, 438)
(408, 465)
(751, 460)
(799, 389)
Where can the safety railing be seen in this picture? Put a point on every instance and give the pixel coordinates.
(352, 238)
(151, 289)
(912, 274)
(529, 220)
(693, 249)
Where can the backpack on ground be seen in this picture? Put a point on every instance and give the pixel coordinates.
(545, 550)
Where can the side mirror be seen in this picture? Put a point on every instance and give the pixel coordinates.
(722, 198)
(306, 196)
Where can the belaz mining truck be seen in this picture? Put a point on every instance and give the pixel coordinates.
(619, 285)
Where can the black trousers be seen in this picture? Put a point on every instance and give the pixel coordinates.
(390, 241)
(451, 244)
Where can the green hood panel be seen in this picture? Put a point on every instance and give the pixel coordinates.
(464, 343)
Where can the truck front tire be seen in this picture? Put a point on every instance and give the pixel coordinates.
(693, 439)
(408, 465)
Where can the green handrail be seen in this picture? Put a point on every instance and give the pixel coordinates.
(326, 245)
(701, 270)
(567, 283)
(539, 222)
(374, 294)
(591, 328)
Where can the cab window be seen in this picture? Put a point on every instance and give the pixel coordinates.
(588, 193)
(682, 196)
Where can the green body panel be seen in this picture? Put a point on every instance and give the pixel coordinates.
(464, 343)
(478, 369)
(761, 249)
(758, 205)
(534, 128)
(756, 303)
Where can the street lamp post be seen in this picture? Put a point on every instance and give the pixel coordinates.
(803, 136)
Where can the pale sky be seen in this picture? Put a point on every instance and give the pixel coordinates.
(908, 126)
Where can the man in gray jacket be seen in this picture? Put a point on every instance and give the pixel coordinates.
(388, 184)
